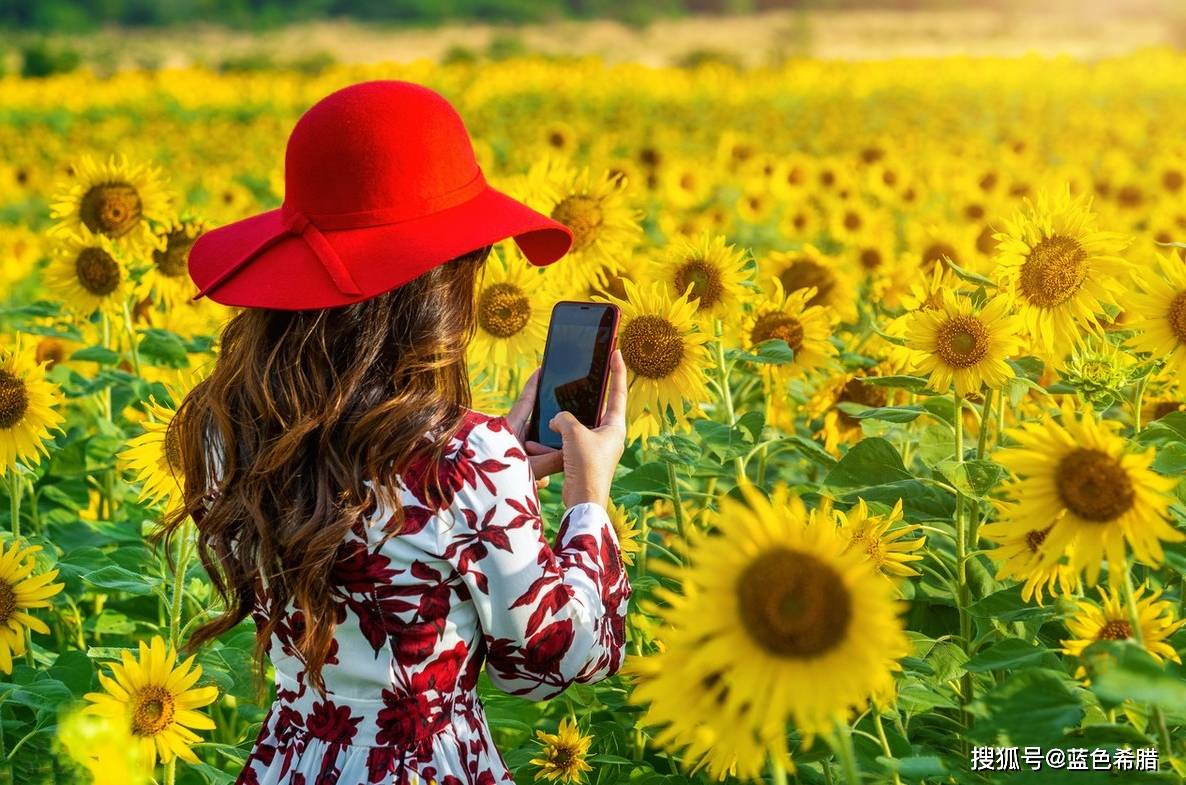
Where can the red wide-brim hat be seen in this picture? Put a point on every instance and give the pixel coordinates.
(381, 185)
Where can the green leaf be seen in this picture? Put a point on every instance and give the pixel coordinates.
(120, 579)
(1171, 460)
(1030, 707)
(871, 461)
(96, 354)
(1007, 605)
(915, 384)
(968, 275)
(162, 347)
(887, 413)
(916, 767)
(1122, 670)
(1007, 654)
(978, 477)
(726, 442)
(650, 479)
(773, 351)
(752, 422)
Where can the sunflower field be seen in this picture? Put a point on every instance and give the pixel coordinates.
(902, 498)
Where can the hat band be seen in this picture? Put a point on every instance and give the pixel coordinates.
(295, 223)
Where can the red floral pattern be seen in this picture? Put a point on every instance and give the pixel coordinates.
(469, 578)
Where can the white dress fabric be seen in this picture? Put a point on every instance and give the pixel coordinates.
(469, 579)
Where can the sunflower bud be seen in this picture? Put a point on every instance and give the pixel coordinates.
(1099, 372)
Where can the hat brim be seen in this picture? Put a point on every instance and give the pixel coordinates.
(289, 276)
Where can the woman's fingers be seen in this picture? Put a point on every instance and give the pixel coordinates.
(544, 460)
(615, 407)
(520, 413)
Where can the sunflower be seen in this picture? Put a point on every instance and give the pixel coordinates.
(155, 457)
(880, 539)
(1158, 312)
(88, 274)
(789, 316)
(20, 591)
(603, 225)
(28, 404)
(716, 273)
(1020, 555)
(562, 758)
(512, 310)
(778, 620)
(168, 277)
(833, 284)
(664, 354)
(156, 697)
(104, 748)
(1080, 475)
(1060, 269)
(1110, 621)
(117, 200)
(962, 344)
(627, 530)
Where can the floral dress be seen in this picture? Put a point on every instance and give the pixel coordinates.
(468, 578)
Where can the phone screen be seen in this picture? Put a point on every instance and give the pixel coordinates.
(575, 367)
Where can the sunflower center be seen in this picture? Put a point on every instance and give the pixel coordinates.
(154, 711)
(563, 756)
(961, 341)
(652, 346)
(1035, 537)
(705, 279)
(778, 325)
(858, 391)
(871, 258)
(97, 272)
(1177, 317)
(50, 351)
(503, 310)
(1093, 485)
(14, 399)
(936, 253)
(803, 273)
(173, 449)
(172, 261)
(581, 214)
(1162, 408)
(1115, 630)
(7, 601)
(112, 209)
(1053, 271)
(793, 605)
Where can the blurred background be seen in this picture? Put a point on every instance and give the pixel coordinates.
(41, 37)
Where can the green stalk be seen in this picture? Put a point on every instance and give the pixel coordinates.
(885, 746)
(109, 413)
(1137, 397)
(14, 500)
(677, 501)
(183, 554)
(135, 350)
(844, 751)
(171, 772)
(964, 594)
(778, 772)
(727, 394)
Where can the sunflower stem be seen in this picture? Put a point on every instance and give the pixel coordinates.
(14, 500)
(183, 554)
(885, 746)
(985, 424)
(1138, 395)
(109, 414)
(131, 330)
(726, 393)
(778, 772)
(961, 568)
(844, 752)
(171, 772)
(677, 501)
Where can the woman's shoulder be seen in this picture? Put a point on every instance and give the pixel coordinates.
(482, 430)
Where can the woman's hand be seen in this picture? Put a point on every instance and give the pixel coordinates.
(544, 461)
(589, 455)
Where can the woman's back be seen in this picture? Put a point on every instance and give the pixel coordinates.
(466, 578)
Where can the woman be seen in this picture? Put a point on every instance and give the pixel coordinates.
(385, 538)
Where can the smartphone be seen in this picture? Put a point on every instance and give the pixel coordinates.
(575, 370)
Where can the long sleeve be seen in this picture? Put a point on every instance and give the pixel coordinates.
(549, 616)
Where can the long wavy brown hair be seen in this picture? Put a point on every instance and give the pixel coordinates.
(301, 410)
